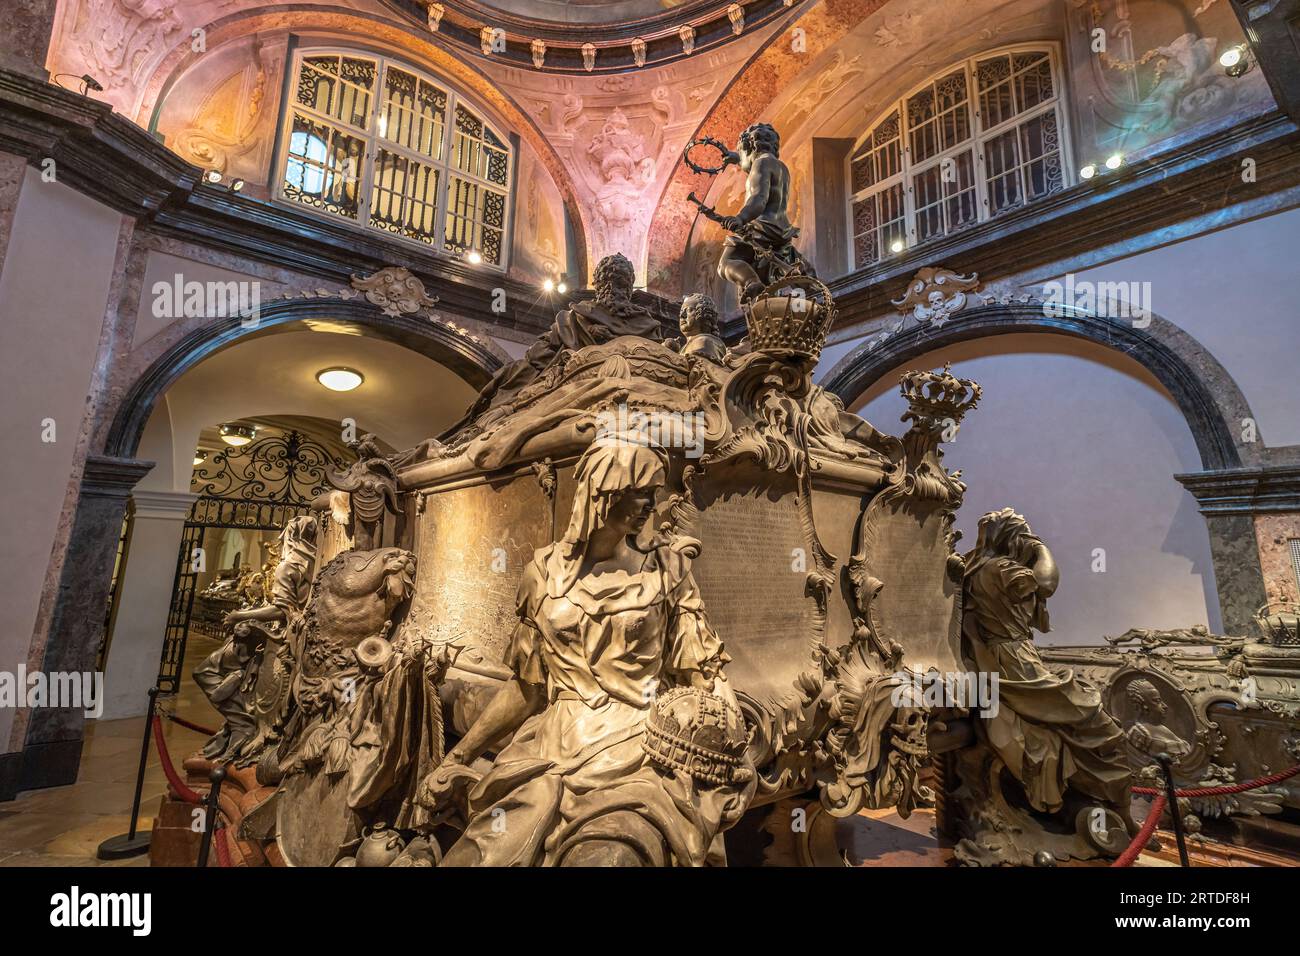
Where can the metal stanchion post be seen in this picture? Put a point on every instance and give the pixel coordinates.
(1174, 812)
(210, 822)
(132, 843)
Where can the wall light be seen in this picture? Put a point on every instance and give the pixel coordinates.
(1235, 60)
(340, 379)
(235, 434)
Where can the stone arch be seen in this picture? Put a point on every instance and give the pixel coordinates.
(1210, 401)
(472, 361)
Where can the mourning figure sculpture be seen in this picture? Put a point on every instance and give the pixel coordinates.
(628, 747)
(1050, 732)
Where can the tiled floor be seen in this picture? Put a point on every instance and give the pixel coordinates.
(62, 826)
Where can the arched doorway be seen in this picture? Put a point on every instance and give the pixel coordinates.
(1198, 427)
(53, 742)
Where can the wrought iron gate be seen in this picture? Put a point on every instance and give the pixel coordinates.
(254, 487)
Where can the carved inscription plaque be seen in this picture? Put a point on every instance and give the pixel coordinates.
(920, 604)
(472, 544)
(752, 575)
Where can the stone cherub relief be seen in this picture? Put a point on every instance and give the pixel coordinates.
(1050, 734)
(627, 747)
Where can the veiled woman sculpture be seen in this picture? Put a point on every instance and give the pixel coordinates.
(628, 748)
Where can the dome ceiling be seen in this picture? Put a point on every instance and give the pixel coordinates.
(619, 34)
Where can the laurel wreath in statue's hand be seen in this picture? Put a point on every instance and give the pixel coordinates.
(728, 157)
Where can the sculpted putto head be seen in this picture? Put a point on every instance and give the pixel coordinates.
(698, 315)
(614, 279)
(760, 138)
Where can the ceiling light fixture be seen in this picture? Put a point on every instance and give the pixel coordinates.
(339, 378)
(232, 433)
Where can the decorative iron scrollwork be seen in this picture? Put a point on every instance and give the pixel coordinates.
(289, 468)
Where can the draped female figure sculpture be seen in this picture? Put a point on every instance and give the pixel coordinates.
(628, 747)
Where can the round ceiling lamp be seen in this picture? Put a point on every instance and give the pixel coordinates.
(235, 434)
(340, 379)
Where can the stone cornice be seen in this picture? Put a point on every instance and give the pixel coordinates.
(1205, 176)
(108, 477)
(1267, 490)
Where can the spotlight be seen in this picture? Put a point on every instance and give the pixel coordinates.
(1235, 60)
(897, 245)
(548, 285)
(1114, 161)
(562, 288)
(340, 379)
(213, 176)
(236, 434)
(474, 257)
(91, 84)
(236, 185)
(1087, 172)
(200, 457)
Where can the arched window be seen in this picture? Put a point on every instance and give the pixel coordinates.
(983, 137)
(377, 143)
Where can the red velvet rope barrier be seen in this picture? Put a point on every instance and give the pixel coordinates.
(1228, 789)
(1148, 827)
(223, 848)
(164, 758)
(190, 726)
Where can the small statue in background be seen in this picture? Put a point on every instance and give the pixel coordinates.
(699, 323)
(371, 483)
